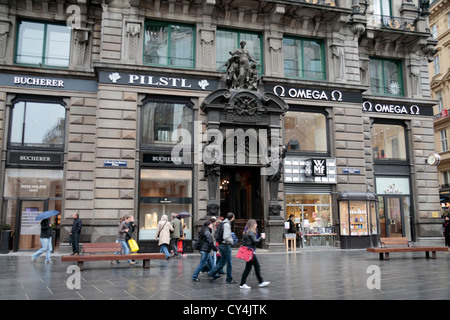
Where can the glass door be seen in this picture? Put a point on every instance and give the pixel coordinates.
(394, 223)
(29, 230)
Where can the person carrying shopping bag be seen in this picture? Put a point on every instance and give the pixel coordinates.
(250, 240)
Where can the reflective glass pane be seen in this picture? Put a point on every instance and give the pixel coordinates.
(313, 66)
(156, 45)
(388, 142)
(305, 131)
(57, 46)
(182, 41)
(30, 43)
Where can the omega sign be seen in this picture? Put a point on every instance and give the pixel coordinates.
(280, 91)
(386, 107)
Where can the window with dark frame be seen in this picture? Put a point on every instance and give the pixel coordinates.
(304, 58)
(43, 44)
(166, 122)
(169, 44)
(37, 125)
(386, 77)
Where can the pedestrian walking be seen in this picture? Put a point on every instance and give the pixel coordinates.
(447, 230)
(75, 234)
(121, 235)
(250, 240)
(225, 240)
(175, 234)
(163, 234)
(206, 245)
(46, 241)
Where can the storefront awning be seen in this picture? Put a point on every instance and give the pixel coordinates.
(353, 195)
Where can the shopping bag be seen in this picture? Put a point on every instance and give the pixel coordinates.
(245, 253)
(133, 245)
(180, 246)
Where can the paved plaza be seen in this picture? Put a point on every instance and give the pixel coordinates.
(333, 274)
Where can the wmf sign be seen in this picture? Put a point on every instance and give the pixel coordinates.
(316, 167)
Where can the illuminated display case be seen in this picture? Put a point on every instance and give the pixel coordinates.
(358, 220)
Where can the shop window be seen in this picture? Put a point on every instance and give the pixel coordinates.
(304, 58)
(167, 44)
(228, 41)
(166, 123)
(306, 132)
(389, 142)
(37, 125)
(162, 192)
(386, 77)
(43, 44)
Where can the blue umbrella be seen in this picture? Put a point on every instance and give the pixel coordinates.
(46, 214)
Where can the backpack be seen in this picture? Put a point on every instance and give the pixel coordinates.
(235, 239)
(197, 241)
(218, 235)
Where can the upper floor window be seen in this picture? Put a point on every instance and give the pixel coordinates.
(304, 58)
(382, 7)
(168, 44)
(37, 124)
(436, 65)
(444, 143)
(161, 120)
(389, 142)
(386, 77)
(43, 44)
(306, 131)
(440, 101)
(228, 41)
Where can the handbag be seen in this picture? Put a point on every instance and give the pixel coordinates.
(245, 253)
(134, 247)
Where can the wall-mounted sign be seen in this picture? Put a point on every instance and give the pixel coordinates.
(351, 171)
(396, 108)
(306, 170)
(315, 94)
(55, 83)
(34, 159)
(395, 185)
(114, 163)
(156, 80)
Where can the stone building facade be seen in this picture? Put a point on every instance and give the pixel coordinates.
(138, 82)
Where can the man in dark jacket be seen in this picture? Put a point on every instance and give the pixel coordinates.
(75, 233)
(206, 245)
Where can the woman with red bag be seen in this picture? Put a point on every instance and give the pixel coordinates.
(250, 241)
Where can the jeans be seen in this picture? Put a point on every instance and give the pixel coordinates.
(205, 259)
(174, 246)
(248, 267)
(46, 246)
(163, 248)
(225, 251)
(125, 248)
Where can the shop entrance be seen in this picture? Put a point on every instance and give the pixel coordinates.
(27, 235)
(240, 193)
(391, 216)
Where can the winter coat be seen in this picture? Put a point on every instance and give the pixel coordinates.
(206, 240)
(176, 225)
(121, 232)
(165, 227)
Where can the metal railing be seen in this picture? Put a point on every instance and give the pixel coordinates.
(395, 23)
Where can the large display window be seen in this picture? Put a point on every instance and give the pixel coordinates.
(163, 192)
(312, 218)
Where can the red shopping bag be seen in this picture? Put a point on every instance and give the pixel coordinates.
(245, 254)
(180, 246)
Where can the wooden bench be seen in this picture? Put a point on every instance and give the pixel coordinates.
(401, 244)
(107, 254)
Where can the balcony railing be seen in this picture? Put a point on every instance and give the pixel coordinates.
(395, 23)
(330, 3)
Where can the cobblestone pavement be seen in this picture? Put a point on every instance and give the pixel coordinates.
(305, 275)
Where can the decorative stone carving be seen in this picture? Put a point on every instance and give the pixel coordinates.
(133, 33)
(240, 73)
(81, 40)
